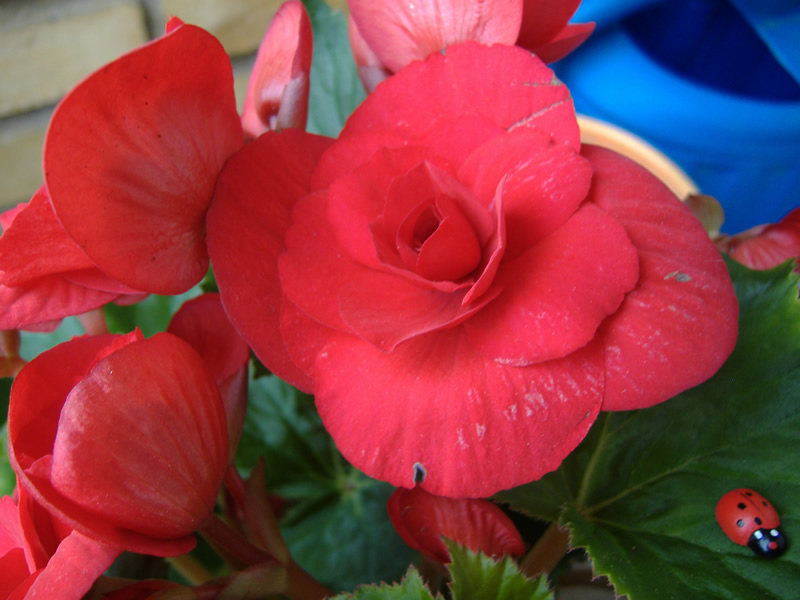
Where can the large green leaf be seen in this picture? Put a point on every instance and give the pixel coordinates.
(640, 491)
(336, 524)
(335, 87)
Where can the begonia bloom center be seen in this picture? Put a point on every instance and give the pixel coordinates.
(437, 241)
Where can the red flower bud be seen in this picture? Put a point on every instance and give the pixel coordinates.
(122, 438)
(422, 520)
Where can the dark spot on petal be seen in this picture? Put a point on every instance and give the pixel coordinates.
(419, 473)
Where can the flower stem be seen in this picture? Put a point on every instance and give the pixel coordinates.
(303, 586)
(230, 543)
(547, 552)
(190, 569)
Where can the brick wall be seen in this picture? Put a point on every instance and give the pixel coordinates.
(47, 46)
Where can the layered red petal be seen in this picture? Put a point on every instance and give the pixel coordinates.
(542, 20)
(765, 246)
(435, 409)
(400, 32)
(247, 222)
(132, 155)
(680, 323)
(517, 90)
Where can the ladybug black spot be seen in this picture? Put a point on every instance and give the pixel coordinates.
(758, 520)
(748, 493)
(741, 506)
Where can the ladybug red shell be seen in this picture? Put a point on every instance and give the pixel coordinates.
(750, 520)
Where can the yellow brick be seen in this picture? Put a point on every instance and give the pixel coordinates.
(47, 46)
(21, 140)
(239, 24)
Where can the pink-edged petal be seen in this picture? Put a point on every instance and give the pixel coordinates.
(542, 20)
(679, 324)
(247, 223)
(557, 293)
(765, 246)
(45, 300)
(73, 569)
(371, 70)
(565, 42)
(35, 244)
(400, 32)
(438, 413)
(132, 156)
(543, 183)
(516, 90)
(422, 520)
(277, 94)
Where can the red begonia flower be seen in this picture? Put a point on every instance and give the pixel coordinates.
(77, 416)
(277, 94)
(422, 520)
(765, 246)
(44, 275)
(385, 36)
(132, 155)
(203, 323)
(42, 558)
(462, 286)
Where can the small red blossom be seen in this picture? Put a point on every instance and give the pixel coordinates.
(765, 246)
(277, 94)
(385, 36)
(422, 520)
(78, 414)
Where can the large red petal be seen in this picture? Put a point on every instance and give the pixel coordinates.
(247, 223)
(516, 90)
(399, 31)
(679, 324)
(437, 411)
(558, 293)
(132, 156)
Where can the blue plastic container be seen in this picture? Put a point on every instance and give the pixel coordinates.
(693, 78)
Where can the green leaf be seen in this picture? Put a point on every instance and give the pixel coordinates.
(336, 524)
(410, 588)
(335, 87)
(476, 577)
(34, 344)
(641, 489)
(151, 315)
(8, 481)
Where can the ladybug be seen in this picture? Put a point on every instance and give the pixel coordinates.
(750, 520)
